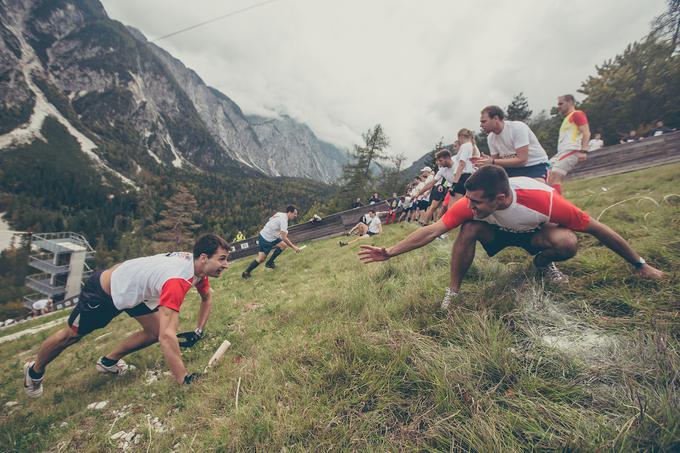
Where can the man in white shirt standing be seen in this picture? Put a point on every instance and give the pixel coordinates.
(445, 172)
(512, 145)
(273, 236)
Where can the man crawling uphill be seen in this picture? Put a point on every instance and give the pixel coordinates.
(151, 290)
(502, 212)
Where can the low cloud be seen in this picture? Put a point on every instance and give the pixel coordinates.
(422, 69)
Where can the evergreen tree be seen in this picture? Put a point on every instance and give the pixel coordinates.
(176, 228)
(666, 26)
(357, 179)
(518, 110)
(634, 89)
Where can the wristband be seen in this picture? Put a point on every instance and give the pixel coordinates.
(199, 332)
(189, 378)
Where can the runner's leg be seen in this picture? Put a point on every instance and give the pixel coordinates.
(463, 251)
(556, 244)
(140, 339)
(53, 346)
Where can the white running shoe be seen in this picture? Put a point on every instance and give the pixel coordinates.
(118, 369)
(553, 274)
(33, 387)
(450, 295)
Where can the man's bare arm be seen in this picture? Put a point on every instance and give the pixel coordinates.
(204, 310)
(418, 238)
(284, 238)
(613, 240)
(167, 337)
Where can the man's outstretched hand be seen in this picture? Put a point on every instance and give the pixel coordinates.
(370, 254)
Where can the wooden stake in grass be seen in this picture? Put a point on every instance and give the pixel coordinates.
(218, 354)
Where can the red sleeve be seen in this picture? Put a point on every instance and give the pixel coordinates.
(566, 214)
(579, 118)
(173, 292)
(457, 214)
(203, 286)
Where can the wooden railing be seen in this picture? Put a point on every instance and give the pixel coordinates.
(623, 158)
(333, 225)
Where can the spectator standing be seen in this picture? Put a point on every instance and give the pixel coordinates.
(463, 167)
(596, 142)
(512, 145)
(374, 199)
(393, 204)
(572, 144)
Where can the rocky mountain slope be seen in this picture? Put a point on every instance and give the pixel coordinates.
(132, 106)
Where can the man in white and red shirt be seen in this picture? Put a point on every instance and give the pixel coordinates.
(572, 144)
(501, 212)
(151, 290)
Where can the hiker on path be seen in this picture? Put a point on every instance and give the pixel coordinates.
(501, 212)
(273, 236)
(150, 289)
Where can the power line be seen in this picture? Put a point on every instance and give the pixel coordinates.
(215, 19)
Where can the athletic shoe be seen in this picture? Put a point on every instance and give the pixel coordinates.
(553, 274)
(245, 275)
(448, 297)
(342, 244)
(32, 387)
(270, 265)
(119, 368)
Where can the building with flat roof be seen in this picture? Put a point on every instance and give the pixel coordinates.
(62, 260)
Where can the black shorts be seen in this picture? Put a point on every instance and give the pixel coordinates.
(95, 308)
(532, 171)
(370, 233)
(265, 245)
(459, 187)
(438, 193)
(423, 205)
(504, 238)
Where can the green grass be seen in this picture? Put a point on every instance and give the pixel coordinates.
(335, 355)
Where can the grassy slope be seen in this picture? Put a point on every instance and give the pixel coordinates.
(332, 354)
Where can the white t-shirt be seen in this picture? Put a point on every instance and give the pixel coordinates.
(155, 280)
(594, 144)
(40, 304)
(273, 228)
(516, 134)
(446, 173)
(464, 154)
(422, 184)
(374, 224)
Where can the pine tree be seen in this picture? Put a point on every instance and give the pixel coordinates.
(518, 110)
(357, 178)
(176, 229)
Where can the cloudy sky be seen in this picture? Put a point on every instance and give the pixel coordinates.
(423, 69)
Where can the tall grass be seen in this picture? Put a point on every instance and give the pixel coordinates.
(329, 354)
